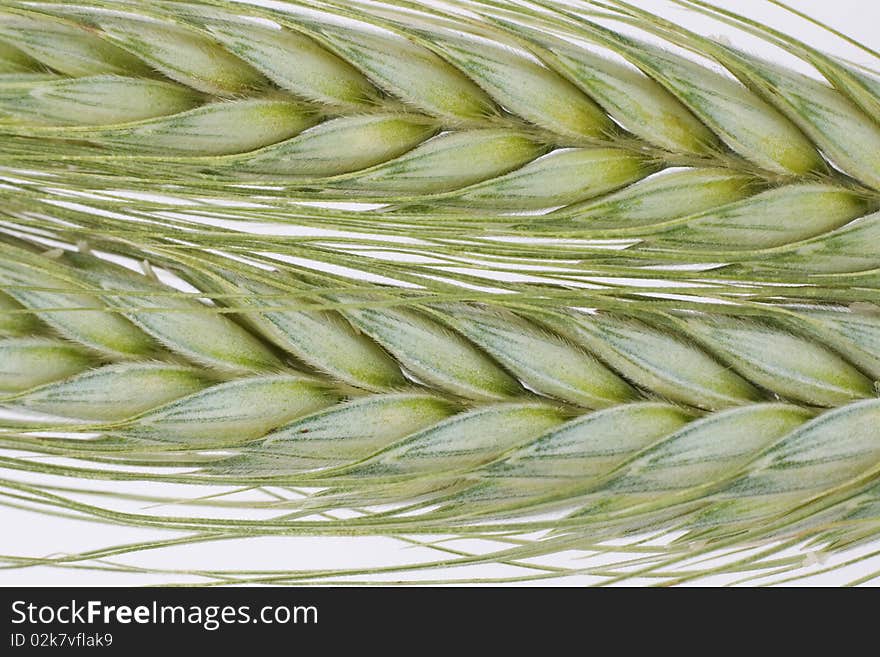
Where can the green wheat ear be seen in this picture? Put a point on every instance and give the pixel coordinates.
(628, 424)
(773, 175)
(419, 74)
(493, 349)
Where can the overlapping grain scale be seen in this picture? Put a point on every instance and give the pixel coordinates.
(849, 249)
(623, 469)
(167, 45)
(741, 119)
(234, 412)
(181, 52)
(434, 354)
(831, 117)
(632, 99)
(14, 320)
(57, 296)
(790, 365)
(408, 71)
(94, 100)
(673, 472)
(433, 460)
(13, 60)
(342, 434)
(496, 170)
(212, 129)
(842, 131)
(194, 59)
(860, 87)
(27, 362)
(670, 195)
(338, 146)
(466, 350)
(543, 361)
(655, 359)
(557, 179)
(297, 63)
(836, 448)
(521, 84)
(181, 323)
(686, 465)
(322, 339)
(462, 79)
(460, 442)
(670, 459)
(331, 60)
(780, 216)
(112, 393)
(66, 46)
(216, 129)
(574, 454)
(190, 134)
(854, 334)
(444, 163)
(495, 459)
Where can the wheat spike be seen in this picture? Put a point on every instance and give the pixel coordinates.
(637, 465)
(495, 457)
(627, 467)
(389, 106)
(396, 104)
(467, 351)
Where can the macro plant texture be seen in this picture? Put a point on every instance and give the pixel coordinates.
(502, 282)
